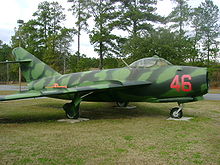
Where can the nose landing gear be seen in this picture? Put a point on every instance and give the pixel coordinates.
(177, 112)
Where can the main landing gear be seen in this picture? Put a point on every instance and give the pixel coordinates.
(122, 104)
(177, 112)
(72, 109)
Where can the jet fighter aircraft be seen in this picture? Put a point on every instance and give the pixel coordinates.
(147, 80)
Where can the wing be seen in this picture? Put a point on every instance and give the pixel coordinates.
(97, 86)
(22, 95)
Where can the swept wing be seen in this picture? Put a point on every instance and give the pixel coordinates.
(49, 92)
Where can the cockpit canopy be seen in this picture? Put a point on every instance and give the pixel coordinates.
(150, 62)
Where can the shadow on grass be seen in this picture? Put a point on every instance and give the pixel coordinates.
(50, 112)
(26, 118)
(98, 111)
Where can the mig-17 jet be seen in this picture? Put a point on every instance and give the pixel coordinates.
(150, 79)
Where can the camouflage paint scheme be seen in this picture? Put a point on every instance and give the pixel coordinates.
(137, 84)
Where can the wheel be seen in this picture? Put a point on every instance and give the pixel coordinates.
(122, 104)
(71, 115)
(175, 114)
(72, 112)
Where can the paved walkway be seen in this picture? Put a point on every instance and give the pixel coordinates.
(11, 88)
(211, 96)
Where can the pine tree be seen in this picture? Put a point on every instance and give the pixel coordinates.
(80, 10)
(136, 17)
(180, 16)
(101, 35)
(63, 43)
(208, 13)
(49, 17)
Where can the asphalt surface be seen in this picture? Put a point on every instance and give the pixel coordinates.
(209, 96)
(11, 88)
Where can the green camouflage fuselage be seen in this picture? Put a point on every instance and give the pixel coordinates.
(161, 82)
(158, 91)
(149, 79)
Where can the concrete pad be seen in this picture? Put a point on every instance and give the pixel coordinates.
(73, 120)
(181, 119)
(128, 107)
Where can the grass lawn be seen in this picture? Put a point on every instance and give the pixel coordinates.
(8, 92)
(30, 134)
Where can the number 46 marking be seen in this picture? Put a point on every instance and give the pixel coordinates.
(185, 86)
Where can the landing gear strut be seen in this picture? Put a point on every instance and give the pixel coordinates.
(72, 109)
(177, 112)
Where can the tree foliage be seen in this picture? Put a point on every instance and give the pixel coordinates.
(44, 35)
(137, 18)
(8, 71)
(208, 26)
(163, 43)
(128, 29)
(101, 35)
(80, 11)
(180, 16)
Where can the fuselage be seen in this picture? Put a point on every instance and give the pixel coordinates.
(166, 82)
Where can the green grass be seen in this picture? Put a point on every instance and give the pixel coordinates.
(30, 134)
(7, 92)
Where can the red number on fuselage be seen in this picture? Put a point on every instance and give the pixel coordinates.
(175, 83)
(185, 85)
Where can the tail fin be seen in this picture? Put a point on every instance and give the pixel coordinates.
(31, 67)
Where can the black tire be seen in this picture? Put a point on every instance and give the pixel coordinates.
(71, 112)
(174, 114)
(71, 115)
(122, 104)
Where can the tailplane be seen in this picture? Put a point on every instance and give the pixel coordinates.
(31, 67)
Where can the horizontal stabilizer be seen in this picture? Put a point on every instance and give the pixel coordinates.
(20, 61)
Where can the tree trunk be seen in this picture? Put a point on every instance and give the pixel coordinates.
(208, 49)
(101, 55)
(79, 29)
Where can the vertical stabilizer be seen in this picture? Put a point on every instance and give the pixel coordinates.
(31, 67)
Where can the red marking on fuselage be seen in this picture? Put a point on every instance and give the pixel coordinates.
(56, 85)
(180, 84)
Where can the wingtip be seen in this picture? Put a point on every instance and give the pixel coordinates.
(2, 98)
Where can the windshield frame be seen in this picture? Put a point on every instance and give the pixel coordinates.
(150, 62)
